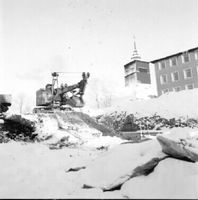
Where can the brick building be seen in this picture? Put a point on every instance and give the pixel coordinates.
(177, 72)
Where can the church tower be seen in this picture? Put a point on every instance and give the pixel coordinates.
(136, 71)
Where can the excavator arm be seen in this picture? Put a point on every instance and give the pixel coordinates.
(81, 86)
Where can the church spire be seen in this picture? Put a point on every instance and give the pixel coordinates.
(135, 55)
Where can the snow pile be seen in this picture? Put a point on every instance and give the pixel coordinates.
(143, 171)
(174, 104)
(171, 179)
(119, 164)
(180, 143)
(52, 128)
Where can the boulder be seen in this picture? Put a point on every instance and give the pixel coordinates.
(179, 143)
(121, 163)
(171, 179)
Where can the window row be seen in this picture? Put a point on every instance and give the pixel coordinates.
(175, 76)
(177, 89)
(173, 61)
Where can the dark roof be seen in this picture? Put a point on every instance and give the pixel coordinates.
(134, 62)
(176, 54)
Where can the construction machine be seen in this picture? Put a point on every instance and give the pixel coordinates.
(5, 102)
(66, 97)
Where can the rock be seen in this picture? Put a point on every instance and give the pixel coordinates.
(121, 163)
(171, 179)
(75, 169)
(179, 144)
(121, 121)
(3, 137)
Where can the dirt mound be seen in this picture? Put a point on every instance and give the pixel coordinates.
(132, 122)
(17, 128)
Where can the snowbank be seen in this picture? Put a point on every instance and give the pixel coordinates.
(119, 164)
(51, 128)
(174, 104)
(180, 143)
(171, 179)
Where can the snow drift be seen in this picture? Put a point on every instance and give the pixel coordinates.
(174, 104)
(120, 164)
(171, 179)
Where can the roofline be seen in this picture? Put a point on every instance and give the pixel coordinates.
(133, 61)
(129, 74)
(189, 50)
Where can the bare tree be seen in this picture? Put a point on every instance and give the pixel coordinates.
(101, 93)
(21, 102)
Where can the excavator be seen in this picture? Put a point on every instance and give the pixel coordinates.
(66, 97)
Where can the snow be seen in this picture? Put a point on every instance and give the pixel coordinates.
(174, 104)
(171, 179)
(34, 171)
(180, 143)
(106, 141)
(79, 133)
(181, 133)
(118, 164)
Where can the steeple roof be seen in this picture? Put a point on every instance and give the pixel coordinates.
(135, 55)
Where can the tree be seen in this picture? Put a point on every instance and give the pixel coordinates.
(100, 93)
(21, 102)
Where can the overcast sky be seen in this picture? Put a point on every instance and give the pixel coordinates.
(38, 37)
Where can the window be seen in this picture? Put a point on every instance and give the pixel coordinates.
(188, 73)
(173, 61)
(196, 55)
(189, 86)
(162, 65)
(143, 70)
(165, 91)
(175, 76)
(163, 79)
(185, 57)
(177, 89)
(157, 67)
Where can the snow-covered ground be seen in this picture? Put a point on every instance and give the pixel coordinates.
(141, 170)
(35, 171)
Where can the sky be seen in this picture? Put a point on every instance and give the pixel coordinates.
(42, 36)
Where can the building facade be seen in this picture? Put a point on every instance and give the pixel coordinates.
(177, 72)
(136, 71)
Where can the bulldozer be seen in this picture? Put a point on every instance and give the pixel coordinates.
(66, 97)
